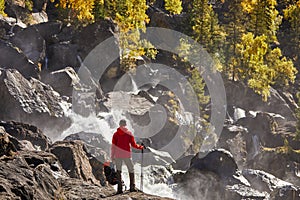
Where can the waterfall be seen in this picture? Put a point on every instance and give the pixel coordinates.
(106, 125)
(256, 145)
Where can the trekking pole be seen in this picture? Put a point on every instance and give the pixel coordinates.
(142, 175)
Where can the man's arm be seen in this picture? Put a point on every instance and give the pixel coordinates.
(134, 144)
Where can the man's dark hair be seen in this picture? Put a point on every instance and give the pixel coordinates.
(122, 122)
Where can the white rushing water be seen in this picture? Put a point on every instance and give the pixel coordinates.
(106, 124)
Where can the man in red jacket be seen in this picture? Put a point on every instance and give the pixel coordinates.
(121, 151)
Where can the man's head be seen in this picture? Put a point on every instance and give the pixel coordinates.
(122, 122)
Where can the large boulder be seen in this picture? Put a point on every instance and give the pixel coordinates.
(31, 43)
(244, 97)
(30, 177)
(12, 57)
(27, 132)
(92, 35)
(220, 162)
(7, 148)
(49, 30)
(62, 55)
(32, 102)
(276, 161)
(62, 80)
(73, 158)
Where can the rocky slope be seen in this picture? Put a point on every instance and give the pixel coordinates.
(62, 171)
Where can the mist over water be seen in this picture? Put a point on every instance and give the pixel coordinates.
(106, 124)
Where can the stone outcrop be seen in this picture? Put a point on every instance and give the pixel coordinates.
(12, 57)
(31, 101)
(27, 132)
(217, 171)
(74, 160)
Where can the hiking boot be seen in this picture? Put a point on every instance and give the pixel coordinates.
(132, 183)
(119, 177)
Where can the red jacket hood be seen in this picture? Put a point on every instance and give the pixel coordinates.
(123, 130)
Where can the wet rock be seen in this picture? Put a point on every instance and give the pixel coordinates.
(61, 81)
(31, 102)
(97, 151)
(286, 192)
(182, 163)
(92, 35)
(26, 132)
(93, 140)
(73, 158)
(12, 57)
(31, 43)
(219, 161)
(243, 97)
(49, 30)
(62, 55)
(263, 181)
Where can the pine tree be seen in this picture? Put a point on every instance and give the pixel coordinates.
(205, 26)
(234, 27)
(262, 67)
(173, 6)
(81, 10)
(2, 6)
(264, 18)
(292, 14)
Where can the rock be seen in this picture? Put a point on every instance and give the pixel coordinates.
(12, 57)
(76, 189)
(94, 141)
(97, 150)
(286, 169)
(18, 10)
(74, 160)
(49, 30)
(31, 102)
(202, 185)
(27, 132)
(20, 180)
(39, 17)
(218, 161)
(61, 81)
(263, 181)
(92, 35)
(163, 20)
(62, 55)
(243, 97)
(7, 148)
(39, 5)
(182, 163)
(286, 192)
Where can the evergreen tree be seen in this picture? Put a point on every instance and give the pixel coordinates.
(81, 10)
(205, 26)
(234, 27)
(292, 14)
(173, 6)
(2, 6)
(264, 18)
(262, 67)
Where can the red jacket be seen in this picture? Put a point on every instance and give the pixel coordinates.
(122, 139)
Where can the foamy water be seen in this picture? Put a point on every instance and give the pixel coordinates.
(106, 124)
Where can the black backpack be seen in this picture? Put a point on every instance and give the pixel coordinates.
(110, 173)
